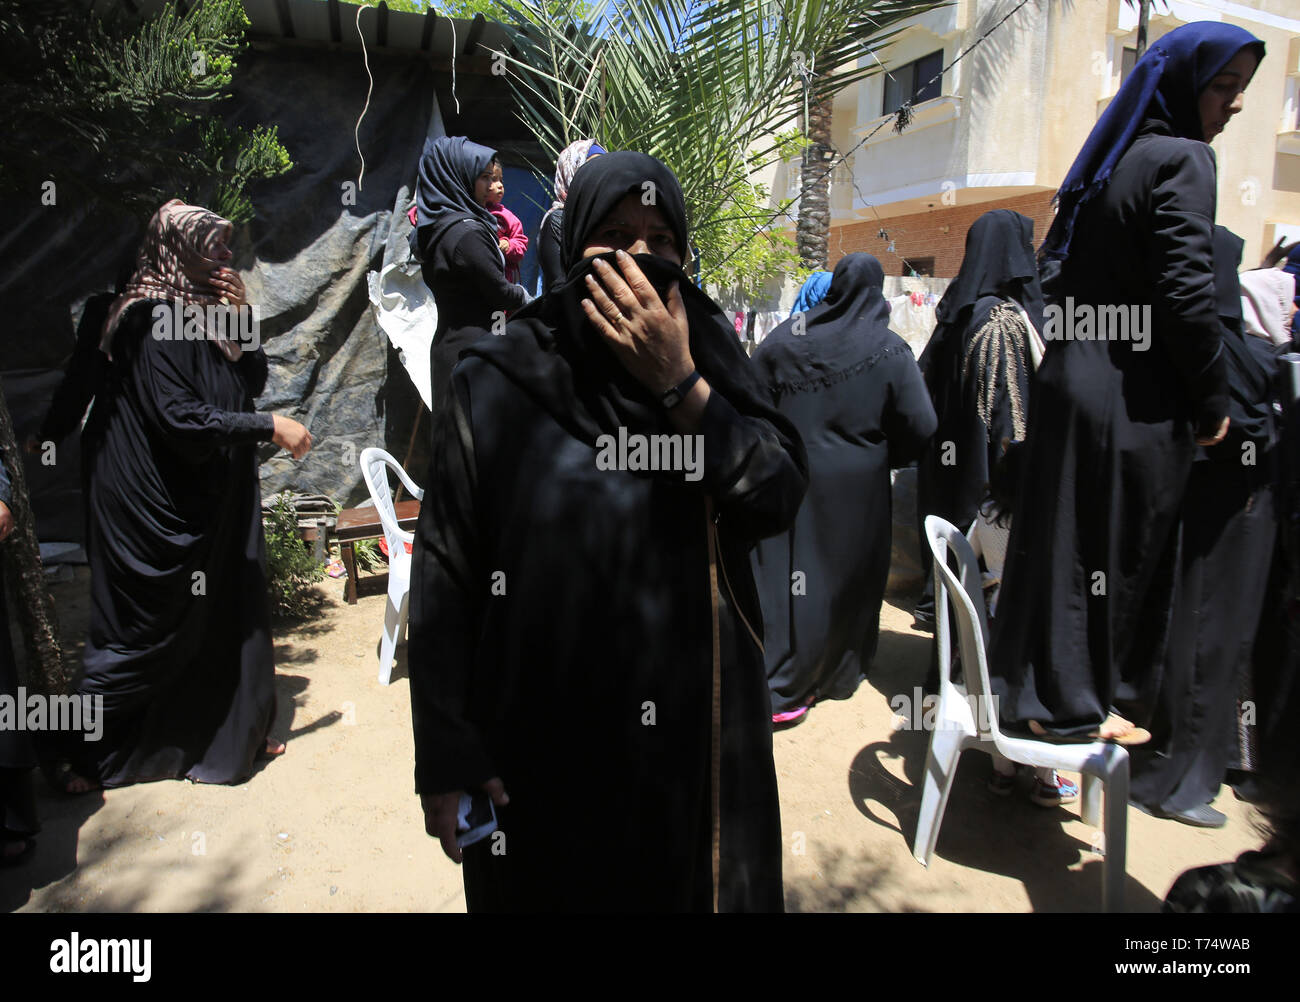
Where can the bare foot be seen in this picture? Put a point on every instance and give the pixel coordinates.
(274, 747)
(78, 784)
(11, 852)
(1115, 727)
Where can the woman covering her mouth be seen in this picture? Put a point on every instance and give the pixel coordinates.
(586, 642)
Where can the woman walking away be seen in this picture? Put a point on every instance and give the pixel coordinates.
(455, 238)
(550, 235)
(977, 366)
(179, 647)
(586, 644)
(852, 389)
(1083, 621)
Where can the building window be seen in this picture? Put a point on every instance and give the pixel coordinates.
(920, 267)
(1127, 61)
(914, 81)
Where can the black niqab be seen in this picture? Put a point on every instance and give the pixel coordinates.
(552, 352)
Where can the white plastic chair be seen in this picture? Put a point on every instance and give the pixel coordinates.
(375, 464)
(970, 720)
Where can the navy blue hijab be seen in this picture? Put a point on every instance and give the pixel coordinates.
(1165, 84)
(444, 191)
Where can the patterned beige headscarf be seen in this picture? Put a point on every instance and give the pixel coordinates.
(183, 245)
(567, 163)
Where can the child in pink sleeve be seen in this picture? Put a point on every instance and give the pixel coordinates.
(510, 231)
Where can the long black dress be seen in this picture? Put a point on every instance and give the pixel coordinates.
(1228, 530)
(1087, 594)
(563, 632)
(466, 274)
(548, 249)
(17, 753)
(853, 390)
(179, 645)
(998, 270)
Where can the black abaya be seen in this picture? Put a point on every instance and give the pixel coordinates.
(562, 631)
(548, 249)
(998, 268)
(1087, 594)
(1228, 531)
(466, 274)
(179, 645)
(853, 390)
(17, 755)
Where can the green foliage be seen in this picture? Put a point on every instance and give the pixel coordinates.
(368, 556)
(124, 111)
(713, 90)
(291, 569)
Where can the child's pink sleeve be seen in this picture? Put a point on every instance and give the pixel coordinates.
(515, 234)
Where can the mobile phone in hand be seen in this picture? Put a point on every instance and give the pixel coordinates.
(476, 818)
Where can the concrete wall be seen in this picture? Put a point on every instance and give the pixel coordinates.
(1017, 109)
(939, 233)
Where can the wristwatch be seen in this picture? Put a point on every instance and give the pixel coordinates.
(671, 398)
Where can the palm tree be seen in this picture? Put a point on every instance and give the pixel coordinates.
(814, 227)
(716, 90)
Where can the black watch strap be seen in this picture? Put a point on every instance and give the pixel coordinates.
(671, 398)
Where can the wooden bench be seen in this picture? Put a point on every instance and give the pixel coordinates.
(363, 523)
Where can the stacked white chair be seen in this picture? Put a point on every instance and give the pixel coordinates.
(375, 464)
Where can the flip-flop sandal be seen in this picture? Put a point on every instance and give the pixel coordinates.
(789, 718)
(1137, 736)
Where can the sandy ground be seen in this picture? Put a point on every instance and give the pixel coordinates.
(334, 825)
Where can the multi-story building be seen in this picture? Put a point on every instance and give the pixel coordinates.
(1000, 128)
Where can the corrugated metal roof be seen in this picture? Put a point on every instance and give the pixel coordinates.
(329, 22)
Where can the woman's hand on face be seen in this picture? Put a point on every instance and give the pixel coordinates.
(651, 338)
(291, 435)
(229, 286)
(6, 521)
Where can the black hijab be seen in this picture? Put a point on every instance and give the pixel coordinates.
(552, 353)
(444, 191)
(999, 260)
(851, 325)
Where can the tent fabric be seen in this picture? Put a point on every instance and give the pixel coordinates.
(304, 258)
